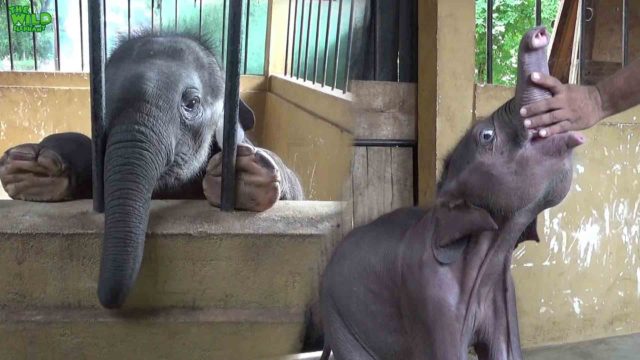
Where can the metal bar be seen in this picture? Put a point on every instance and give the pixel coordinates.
(200, 22)
(160, 8)
(335, 54)
(300, 40)
(231, 100)
(286, 51)
(581, 50)
(538, 12)
(489, 41)
(385, 143)
(306, 44)
(57, 37)
(128, 19)
(293, 41)
(33, 39)
(81, 37)
(97, 66)
(104, 7)
(326, 46)
(224, 25)
(315, 52)
(625, 32)
(175, 24)
(246, 37)
(9, 36)
(153, 3)
(349, 47)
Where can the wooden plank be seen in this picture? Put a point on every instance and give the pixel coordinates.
(562, 42)
(382, 181)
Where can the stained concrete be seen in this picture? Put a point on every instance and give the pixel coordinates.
(212, 284)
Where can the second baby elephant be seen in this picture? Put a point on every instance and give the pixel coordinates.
(430, 283)
(163, 136)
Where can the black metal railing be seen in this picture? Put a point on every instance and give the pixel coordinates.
(331, 42)
(325, 66)
(97, 45)
(195, 16)
(490, 34)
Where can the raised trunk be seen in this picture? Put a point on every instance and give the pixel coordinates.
(133, 164)
(532, 57)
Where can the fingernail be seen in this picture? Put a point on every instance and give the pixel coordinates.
(535, 76)
(527, 123)
(543, 133)
(523, 112)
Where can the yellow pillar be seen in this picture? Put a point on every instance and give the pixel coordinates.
(277, 36)
(446, 60)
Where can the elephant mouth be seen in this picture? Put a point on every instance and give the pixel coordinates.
(557, 145)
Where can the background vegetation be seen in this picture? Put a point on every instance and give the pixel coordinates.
(511, 18)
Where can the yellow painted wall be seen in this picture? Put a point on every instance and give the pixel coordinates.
(582, 281)
(34, 105)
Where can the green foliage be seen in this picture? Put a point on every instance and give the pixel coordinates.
(511, 19)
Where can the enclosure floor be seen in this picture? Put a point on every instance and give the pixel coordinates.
(613, 348)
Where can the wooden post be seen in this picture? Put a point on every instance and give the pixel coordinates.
(277, 36)
(446, 76)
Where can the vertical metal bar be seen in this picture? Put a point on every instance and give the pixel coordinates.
(315, 52)
(81, 37)
(581, 50)
(97, 63)
(489, 41)
(200, 22)
(231, 100)
(349, 47)
(336, 53)
(160, 8)
(175, 24)
(326, 46)
(224, 26)
(246, 37)
(128, 19)
(538, 12)
(153, 3)
(9, 36)
(104, 7)
(286, 51)
(293, 41)
(300, 40)
(33, 39)
(306, 45)
(57, 37)
(625, 32)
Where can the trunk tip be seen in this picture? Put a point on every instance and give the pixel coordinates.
(112, 297)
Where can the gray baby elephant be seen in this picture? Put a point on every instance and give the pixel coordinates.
(430, 283)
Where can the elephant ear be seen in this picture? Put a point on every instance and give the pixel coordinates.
(245, 116)
(530, 233)
(455, 223)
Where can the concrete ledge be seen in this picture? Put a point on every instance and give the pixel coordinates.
(195, 255)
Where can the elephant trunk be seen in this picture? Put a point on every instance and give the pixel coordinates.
(133, 163)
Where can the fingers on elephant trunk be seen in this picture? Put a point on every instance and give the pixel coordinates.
(132, 168)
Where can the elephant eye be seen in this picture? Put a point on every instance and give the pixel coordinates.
(192, 104)
(486, 136)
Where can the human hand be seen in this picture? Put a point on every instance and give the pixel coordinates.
(571, 107)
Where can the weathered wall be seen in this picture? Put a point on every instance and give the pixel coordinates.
(582, 281)
(34, 105)
(310, 128)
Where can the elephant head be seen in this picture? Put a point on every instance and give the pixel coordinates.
(164, 97)
(500, 167)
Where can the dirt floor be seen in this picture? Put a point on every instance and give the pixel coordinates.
(614, 348)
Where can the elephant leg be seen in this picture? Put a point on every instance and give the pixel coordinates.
(343, 343)
(56, 169)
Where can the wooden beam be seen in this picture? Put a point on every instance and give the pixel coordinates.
(562, 42)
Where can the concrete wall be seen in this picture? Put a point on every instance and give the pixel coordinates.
(34, 105)
(582, 281)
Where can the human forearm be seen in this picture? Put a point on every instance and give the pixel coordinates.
(620, 91)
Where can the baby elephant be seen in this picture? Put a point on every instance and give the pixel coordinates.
(163, 139)
(430, 283)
